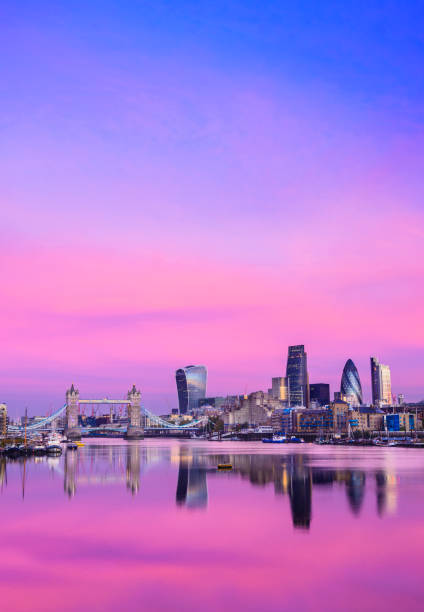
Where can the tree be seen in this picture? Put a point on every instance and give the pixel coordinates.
(219, 425)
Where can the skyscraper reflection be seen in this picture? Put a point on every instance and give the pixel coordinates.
(292, 475)
(192, 488)
(355, 489)
(300, 492)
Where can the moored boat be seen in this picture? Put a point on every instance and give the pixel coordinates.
(53, 446)
(276, 439)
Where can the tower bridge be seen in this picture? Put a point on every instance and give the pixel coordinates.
(135, 429)
(139, 418)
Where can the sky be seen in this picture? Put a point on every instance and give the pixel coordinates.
(197, 182)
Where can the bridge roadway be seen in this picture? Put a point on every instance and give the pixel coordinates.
(153, 418)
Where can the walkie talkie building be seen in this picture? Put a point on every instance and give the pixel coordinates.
(191, 387)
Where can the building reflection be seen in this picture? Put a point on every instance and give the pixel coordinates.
(292, 475)
(192, 488)
(103, 465)
(3, 472)
(355, 489)
(386, 490)
(300, 492)
(133, 468)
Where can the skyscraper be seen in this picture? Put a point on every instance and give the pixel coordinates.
(279, 388)
(297, 375)
(320, 393)
(381, 383)
(191, 387)
(350, 386)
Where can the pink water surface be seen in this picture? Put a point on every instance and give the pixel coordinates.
(154, 526)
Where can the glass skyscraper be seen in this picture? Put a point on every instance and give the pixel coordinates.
(381, 383)
(297, 375)
(350, 386)
(191, 387)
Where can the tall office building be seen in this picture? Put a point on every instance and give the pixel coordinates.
(320, 393)
(380, 383)
(280, 388)
(191, 387)
(297, 376)
(350, 386)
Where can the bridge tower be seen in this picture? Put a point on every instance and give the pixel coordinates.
(135, 429)
(72, 429)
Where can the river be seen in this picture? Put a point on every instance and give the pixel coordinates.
(153, 525)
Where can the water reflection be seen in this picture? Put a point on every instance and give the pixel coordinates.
(291, 475)
(192, 488)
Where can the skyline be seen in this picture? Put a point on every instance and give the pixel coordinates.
(265, 388)
(209, 184)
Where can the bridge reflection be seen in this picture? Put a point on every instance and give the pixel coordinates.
(291, 475)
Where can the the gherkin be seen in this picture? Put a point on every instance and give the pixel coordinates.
(351, 383)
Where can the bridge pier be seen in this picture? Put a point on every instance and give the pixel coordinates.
(135, 430)
(72, 429)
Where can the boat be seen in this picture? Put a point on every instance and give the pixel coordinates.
(79, 443)
(276, 439)
(39, 449)
(295, 440)
(225, 466)
(72, 446)
(53, 446)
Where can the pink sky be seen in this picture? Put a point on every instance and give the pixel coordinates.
(163, 209)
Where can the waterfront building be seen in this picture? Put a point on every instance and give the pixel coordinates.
(400, 421)
(191, 387)
(365, 418)
(320, 393)
(282, 420)
(3, 419)
(380, 383)
(279, 388)
(350, 385)
(254, 409)
(318, 421)
(340, 410)
(297, 375)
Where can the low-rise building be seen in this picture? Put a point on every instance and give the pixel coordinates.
(254, 409)
(319, 421)
(401, 421)
(282, 421)
(366, 418)
(3, 419)
(340, 410)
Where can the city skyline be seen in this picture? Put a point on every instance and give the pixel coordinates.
(201, 374)
(208, 185)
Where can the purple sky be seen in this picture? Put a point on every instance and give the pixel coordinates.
(185, 183)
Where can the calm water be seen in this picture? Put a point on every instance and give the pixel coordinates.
(154, 526)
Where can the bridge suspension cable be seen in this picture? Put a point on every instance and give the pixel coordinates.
(154, 418)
